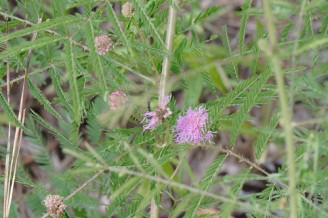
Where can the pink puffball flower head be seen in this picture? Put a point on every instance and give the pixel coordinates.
(190, 128)
(55, 205)
(154, 118)
(117, 99)
(104, 44)
(128, 9)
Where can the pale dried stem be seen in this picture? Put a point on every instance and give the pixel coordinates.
(170, 32)
(9, 130)
(17, 140)
(84, 185)
(310, 122)
(16, 160)
(153, 209)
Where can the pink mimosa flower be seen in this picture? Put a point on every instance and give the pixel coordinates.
(117, 99)
(190, 128)
(154, 118)
(104, 44)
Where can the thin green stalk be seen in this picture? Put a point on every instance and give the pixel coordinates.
(131, 70)
(288, 129)
(286, 113)
(294, 54)
(310, 122)
(170, 32)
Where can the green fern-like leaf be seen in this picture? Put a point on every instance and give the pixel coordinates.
(42, 99)
(80, 3)
(231, 68)
(207, 182)
(217, 108)
(72, 74)
(56, 83)
(54, 23)
(243, 23)
(63, 140)
(94, 57)
(31, 45)
(262, 140)
(145, 18)
(312, 44)
(227, 209)
(207, 77)
(113, 18)
(247, 106)
(32, 9)
(9, 112)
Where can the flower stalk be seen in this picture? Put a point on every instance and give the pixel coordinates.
(162, 95)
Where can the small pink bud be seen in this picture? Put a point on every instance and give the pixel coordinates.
(55, 205)
(104, 44)
(128, 9)
(117, 99)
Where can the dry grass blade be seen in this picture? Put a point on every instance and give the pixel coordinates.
(11, 172)
(9, 128)
(16, 160)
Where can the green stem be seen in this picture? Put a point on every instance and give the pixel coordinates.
(170, 32)
(298, 29)
(288, 129)
(286, 113)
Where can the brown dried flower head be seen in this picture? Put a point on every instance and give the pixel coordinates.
(104, 44)
(55, 205)
(117, 99)
(128, 9)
